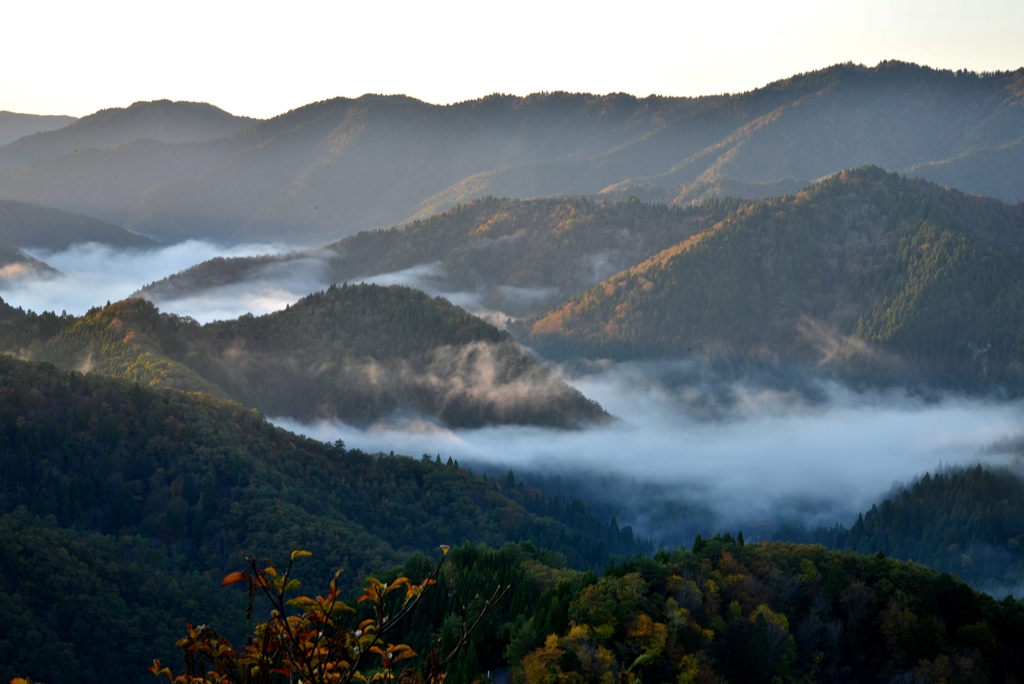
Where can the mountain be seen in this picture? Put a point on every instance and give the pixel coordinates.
(355, 353)
(964, 521)
(131, 503)
(865, 269)
(31, 227)
(515, 256)
(14, 263)
(729, 611)
(14, 125)
(333, 168)
(161, 120)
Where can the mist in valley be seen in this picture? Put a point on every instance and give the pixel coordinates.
(683, 459)
(694, 447)
(92, 274)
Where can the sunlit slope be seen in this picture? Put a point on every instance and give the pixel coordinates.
(332, 168)
(519, 256)
(358, 354)
(30, 226)
(160, 120)
(865, 267)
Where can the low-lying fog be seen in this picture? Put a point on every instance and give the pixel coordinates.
(672, 466)
(688, 453)
(91, 275)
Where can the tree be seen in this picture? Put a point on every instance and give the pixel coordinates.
(304, 639)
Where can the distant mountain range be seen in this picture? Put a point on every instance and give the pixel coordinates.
(332, 168)
(14, 125)
(32, 227)
(162, 121)
(359, 354)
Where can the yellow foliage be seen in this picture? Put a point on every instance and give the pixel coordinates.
(688, 669)
(649, 635)
(770, 616)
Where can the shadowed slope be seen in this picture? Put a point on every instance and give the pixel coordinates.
(359, 354)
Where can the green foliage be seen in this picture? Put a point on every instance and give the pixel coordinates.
(881, 277)
(358, 353)
(192, 486)
(94, 609)
(773, 613)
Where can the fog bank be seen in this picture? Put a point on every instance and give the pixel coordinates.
(92, 274)
(765, 455)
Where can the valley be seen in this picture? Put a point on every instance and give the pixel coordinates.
(725, 386)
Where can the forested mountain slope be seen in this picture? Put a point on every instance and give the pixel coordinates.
(332, 168)
(160, 120)
(729, 611)
(28, 226)
(969, 522)
(517, 256)
(356, 353)
(863, 269)
(186, 487)
(14, 263)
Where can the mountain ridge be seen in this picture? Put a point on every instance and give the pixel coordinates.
(335, 167)
(862, 267)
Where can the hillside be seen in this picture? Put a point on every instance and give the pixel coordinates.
(28, 226)
(865, 269)
(157, 494)
(14, 263)
(729, 611)
(333, 168)
(359, 354)
(162, 120)
(967, 522)
(517, 256)
(14, 125)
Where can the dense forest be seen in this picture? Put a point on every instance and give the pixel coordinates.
(356, 353)
(332, 168)
(721, 611)
(519, 256)
(898, 278)
(767, 612)
(179, 488)
(969, 522)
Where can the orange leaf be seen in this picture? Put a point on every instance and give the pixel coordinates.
(232, 578)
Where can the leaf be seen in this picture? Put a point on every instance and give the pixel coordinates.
(639, 661)
(299, 553)
(233, 577)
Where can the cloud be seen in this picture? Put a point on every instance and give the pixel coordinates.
(764, 455)
(92, 274)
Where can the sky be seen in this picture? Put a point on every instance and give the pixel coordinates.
(261, 58)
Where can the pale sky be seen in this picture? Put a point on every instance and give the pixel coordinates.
(261, 58)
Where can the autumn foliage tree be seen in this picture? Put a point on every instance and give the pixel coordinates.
(306, 639)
